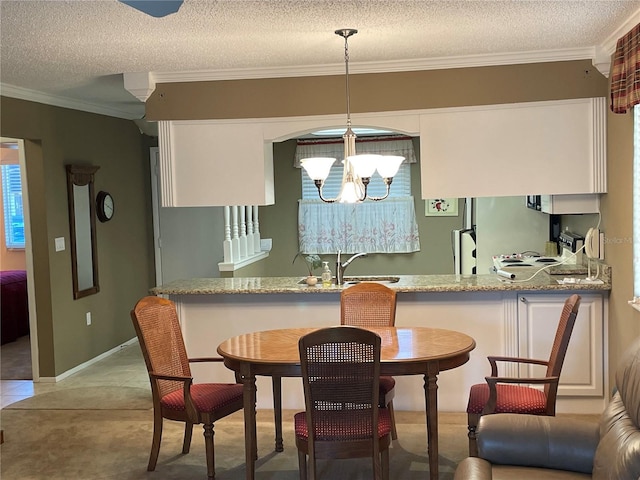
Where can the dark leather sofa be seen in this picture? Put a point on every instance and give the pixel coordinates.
(523, 447)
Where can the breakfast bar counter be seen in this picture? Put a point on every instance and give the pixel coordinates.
(505, 317)
(405, 283)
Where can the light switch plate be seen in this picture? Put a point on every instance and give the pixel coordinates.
(60, 244)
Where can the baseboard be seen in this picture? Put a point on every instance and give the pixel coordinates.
(88, 363)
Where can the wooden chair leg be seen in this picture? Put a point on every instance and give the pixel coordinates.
(155, 443)
(472, 420)
(385, 464)
(188, 432)
(208, 442)
(302, 464)
(394, 432)
(377, 467)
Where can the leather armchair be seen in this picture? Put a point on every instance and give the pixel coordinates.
(526, 447)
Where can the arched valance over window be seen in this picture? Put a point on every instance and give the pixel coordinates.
(625, 72)
(334, 147)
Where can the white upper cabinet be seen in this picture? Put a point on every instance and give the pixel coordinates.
(568, 204)
(551, 147)
(534, 148)
(214, 164)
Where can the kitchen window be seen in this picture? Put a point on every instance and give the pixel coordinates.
(387, 226)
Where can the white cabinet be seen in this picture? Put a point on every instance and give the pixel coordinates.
(583, 369)
(214, 163)
(567, 204)
(542, 148)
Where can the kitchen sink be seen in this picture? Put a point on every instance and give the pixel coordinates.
(360, 279)
(354, 280)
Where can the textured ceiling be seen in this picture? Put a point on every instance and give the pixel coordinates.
(78, 50)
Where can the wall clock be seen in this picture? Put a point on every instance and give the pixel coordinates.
(441, 207)
(104, 206)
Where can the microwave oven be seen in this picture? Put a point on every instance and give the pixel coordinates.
(534, 202)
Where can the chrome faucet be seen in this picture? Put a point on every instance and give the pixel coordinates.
(341, 267)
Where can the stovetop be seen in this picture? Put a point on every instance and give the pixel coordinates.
(523, 260)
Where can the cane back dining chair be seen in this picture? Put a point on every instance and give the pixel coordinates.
(512, 394)
(175, 396)
(369, 304)
(343, 419)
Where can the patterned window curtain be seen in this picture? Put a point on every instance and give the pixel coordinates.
(388, 226)
(625, 72)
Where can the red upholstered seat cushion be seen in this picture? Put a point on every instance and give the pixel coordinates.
(207, 397)
(511, 399)
(332, 421)
(386, 384)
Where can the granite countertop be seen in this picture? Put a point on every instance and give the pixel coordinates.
(406, 283)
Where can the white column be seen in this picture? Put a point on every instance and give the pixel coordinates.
(235, 240)
(243, 233)
(256, 229)
(250, 242)
(228, 253)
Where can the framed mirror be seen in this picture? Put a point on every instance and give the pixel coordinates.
(82, 226)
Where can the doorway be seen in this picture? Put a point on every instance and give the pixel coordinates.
(17, 356)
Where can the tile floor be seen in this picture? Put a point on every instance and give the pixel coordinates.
(123, 368)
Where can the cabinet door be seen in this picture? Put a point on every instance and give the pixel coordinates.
(583, 370)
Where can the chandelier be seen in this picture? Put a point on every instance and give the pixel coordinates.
(358, 169)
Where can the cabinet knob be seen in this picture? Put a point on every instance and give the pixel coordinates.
(523, 299)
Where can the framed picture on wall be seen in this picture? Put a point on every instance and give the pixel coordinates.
(441, 207)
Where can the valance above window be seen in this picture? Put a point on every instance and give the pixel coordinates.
(625, 72)
(334, 147)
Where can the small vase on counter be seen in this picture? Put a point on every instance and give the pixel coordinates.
(311, 280)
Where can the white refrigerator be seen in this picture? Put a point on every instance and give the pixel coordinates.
(501, 225)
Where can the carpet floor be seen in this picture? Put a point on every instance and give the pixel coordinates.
(114, 444)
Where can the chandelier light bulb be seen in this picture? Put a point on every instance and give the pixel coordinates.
(351, 192)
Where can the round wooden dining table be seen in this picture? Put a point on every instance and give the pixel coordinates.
(405, 351)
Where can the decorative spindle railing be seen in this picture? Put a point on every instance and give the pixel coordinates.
(241, 237)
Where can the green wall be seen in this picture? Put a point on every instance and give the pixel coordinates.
(56, 137)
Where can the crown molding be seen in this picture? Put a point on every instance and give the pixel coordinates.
(379, 67)
(142, 84)
(131, 113)
(602, 59)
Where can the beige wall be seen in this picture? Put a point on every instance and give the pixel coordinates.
(290, 97)
(617, 223)
(55, 137)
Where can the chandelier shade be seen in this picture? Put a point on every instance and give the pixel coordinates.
(357, 169)
(317, 168)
